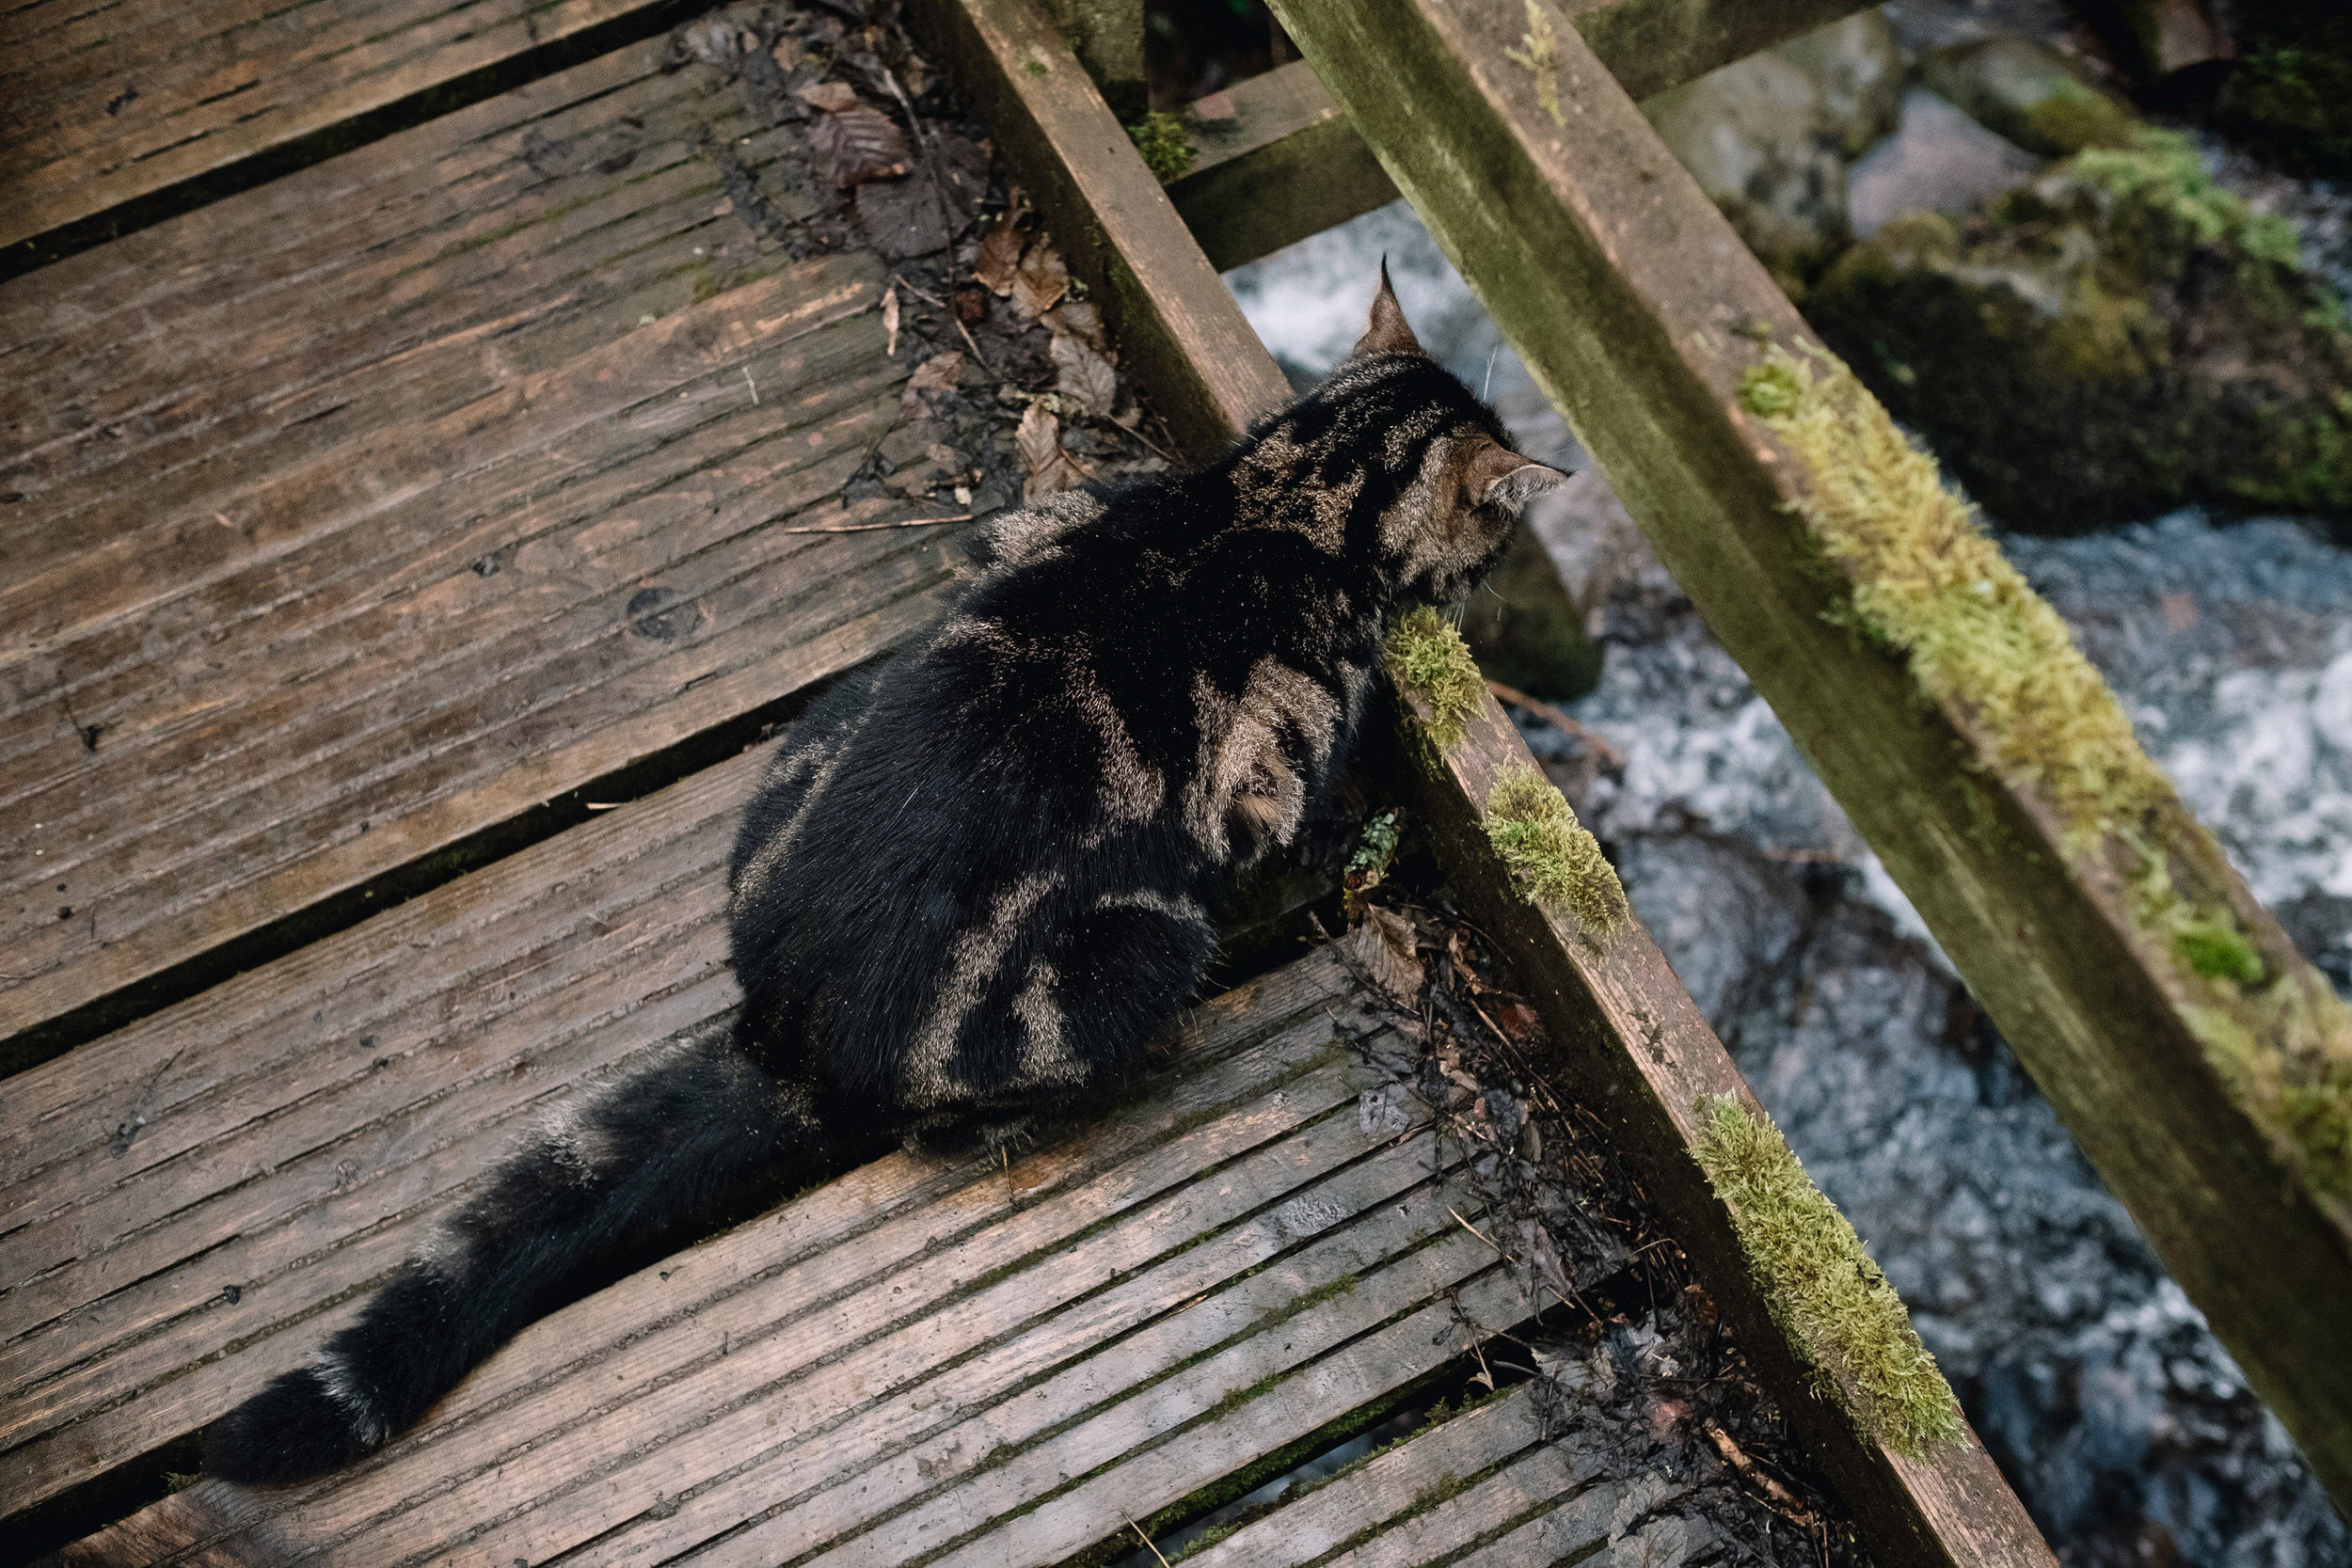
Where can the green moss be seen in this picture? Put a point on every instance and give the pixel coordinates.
(1429, 658)
(2072, 118)
(1552, 859)
(2219, 950)
(2161, 177)
(1822, 1288)
(1167, 150)
(1928, 585)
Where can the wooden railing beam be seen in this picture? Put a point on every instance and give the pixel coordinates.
(1286, 164)
(1626, 1026)
(2207, 1086)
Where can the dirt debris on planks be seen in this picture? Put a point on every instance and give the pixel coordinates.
(1015, 391)
(1627, 1356)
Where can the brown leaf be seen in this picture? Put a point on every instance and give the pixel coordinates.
(1080, 319)
(939, 373)
(971, 302)
(1383, 947)
(890, 320)
(786, 51)
(857, 144)
(1050, 469)
(1085, 375)
(1040, 281)
(1000, 254)
(832, 97)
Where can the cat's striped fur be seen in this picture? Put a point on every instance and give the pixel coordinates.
(981, 874)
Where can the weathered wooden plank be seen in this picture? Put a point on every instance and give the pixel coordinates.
(1107, 38)
(868, 1375)
(110, 103)
(1286, 164)
(1636, 1019)
(1157, 291)
(354, 537)
(1384, 1514)
(290, 1132)
(2202, 1065)
(1283, 165)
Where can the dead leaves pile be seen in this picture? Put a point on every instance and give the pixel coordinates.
(1030, 273)
(851, 142)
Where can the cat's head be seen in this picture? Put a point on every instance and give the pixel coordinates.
(1436, 463)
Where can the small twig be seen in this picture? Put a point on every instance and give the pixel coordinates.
(1136, 430)
(901, 278)
(1558, 720)
(867, 528)
(753, 385)
(1145, 1539)
(1783, 1500)
(970, 343)
(1480, 1234)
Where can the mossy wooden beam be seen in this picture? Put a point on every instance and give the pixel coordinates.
(1631, 1044)
(1629, 1031)
(2203, 1066)
(1286, 164)
(1179, 329)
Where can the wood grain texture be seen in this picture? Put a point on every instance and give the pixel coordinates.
(1175, 324)
(1628, 1039)
(1638, 309)
(104, 105)
(374, 507)
(1286, 163)
(1642, 1044)
(956, 1362)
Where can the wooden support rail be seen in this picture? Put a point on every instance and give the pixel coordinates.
(1642, 1044)
(1286, 163)
(2204, 1067)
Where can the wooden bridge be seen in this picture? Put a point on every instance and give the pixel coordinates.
(441, 443)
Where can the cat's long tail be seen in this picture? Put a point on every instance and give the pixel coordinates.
(651, 1160)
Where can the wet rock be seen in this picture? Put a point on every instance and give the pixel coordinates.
(2119, 337)
(2033, 96)
(1768, 136)
(1937, 161)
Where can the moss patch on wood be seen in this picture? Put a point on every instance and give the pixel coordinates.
(1926, 584)
(1429, 658)
(1553, 859)
(1822, 1288)
(1166, 147)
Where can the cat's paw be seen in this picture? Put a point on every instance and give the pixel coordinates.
(305, 1423)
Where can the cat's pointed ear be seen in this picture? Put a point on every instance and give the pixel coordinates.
(1386, 332)
(1499, 476)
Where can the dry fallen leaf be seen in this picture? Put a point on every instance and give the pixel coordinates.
(856, 145)
(939, 373)
(890, 320)
(1050, 469)
(1085, 375)
(1000, 253)
(1040, 281)
(1383, 947)
(1080, 319)
(832, 97)
(786, 51)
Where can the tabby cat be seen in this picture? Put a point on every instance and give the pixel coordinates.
(978, 875)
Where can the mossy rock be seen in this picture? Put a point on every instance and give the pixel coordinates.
(2032, 95)
(2119, 337)
(1524, 628)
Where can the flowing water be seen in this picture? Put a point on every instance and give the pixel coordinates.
(2121, 1420)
